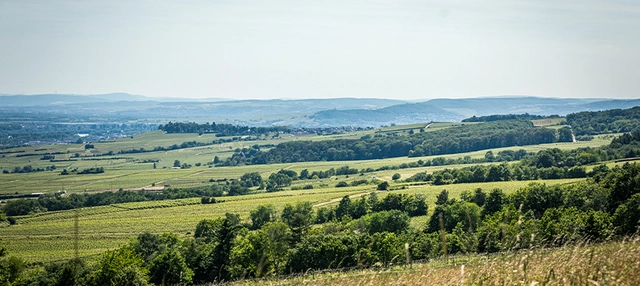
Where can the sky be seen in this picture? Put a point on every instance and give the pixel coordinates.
(411, 50)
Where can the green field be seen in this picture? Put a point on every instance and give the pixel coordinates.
(127, 171)
(49, 236)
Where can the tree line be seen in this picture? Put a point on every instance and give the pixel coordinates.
(603, 122)
(497, 117)
(545, 164)
(62, 201)
(219, 129)
(459, 139)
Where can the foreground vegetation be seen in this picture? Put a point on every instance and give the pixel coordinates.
(611, 263)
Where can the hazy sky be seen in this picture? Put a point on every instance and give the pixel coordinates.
(315, 49)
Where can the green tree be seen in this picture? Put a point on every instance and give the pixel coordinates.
(120, 267)
(217, 264)
(344, 208)
(494, 202)
(170, 268)
(442, 198)
(176, 164)
(262, 215)
(383, 186)
(627, 216)
(11, 268)
(396, 176)
(298, 217)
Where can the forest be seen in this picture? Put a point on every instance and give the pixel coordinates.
(602, 122)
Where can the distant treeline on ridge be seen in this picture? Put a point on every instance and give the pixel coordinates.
(459, 139)
(497, 117)
(220, 129)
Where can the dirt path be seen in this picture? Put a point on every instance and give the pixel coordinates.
(339, 199)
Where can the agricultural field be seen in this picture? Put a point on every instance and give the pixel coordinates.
(49, 236)
(136, 170)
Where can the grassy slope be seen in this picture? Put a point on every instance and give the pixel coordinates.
(612, 263)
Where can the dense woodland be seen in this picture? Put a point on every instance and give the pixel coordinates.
(219, 129)
(497, 117)
(603, 122)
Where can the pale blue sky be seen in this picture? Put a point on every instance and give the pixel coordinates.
(316, 49)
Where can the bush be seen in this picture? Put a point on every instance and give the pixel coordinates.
(383, 186)
(307, 187)
(342, 184)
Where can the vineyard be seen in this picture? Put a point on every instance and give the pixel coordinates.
(49, 236)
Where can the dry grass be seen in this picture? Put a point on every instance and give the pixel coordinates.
(613, 263)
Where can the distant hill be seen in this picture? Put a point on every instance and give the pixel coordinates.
(399, 114)
(60, 99)
(458, 109)
(294, 112)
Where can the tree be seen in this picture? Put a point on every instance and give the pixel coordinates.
(494, 202)
(11, 268)
(344, 208)
(262, 215)
(146, 245)
(395, 221)
(170, 268)
(442, 198)
(280, 180)
(489, 157)
(304, 174)
(120, 267)
(479, 197)
(627, 216)
(396, 176)
(176, 164)
(298, 217)
(383, 186)
(217, 264)
(249, 180)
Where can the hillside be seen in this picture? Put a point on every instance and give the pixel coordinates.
(458, 109)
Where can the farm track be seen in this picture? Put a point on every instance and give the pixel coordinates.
(339, 199)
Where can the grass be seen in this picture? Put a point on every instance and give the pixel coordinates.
(612, 263)
(548, 121)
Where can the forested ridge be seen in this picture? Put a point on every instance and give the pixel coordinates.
(459, 139)
(497, 117)
(219, 129)
(603, 122)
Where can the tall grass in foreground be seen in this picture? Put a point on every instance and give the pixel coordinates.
(613, 263)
